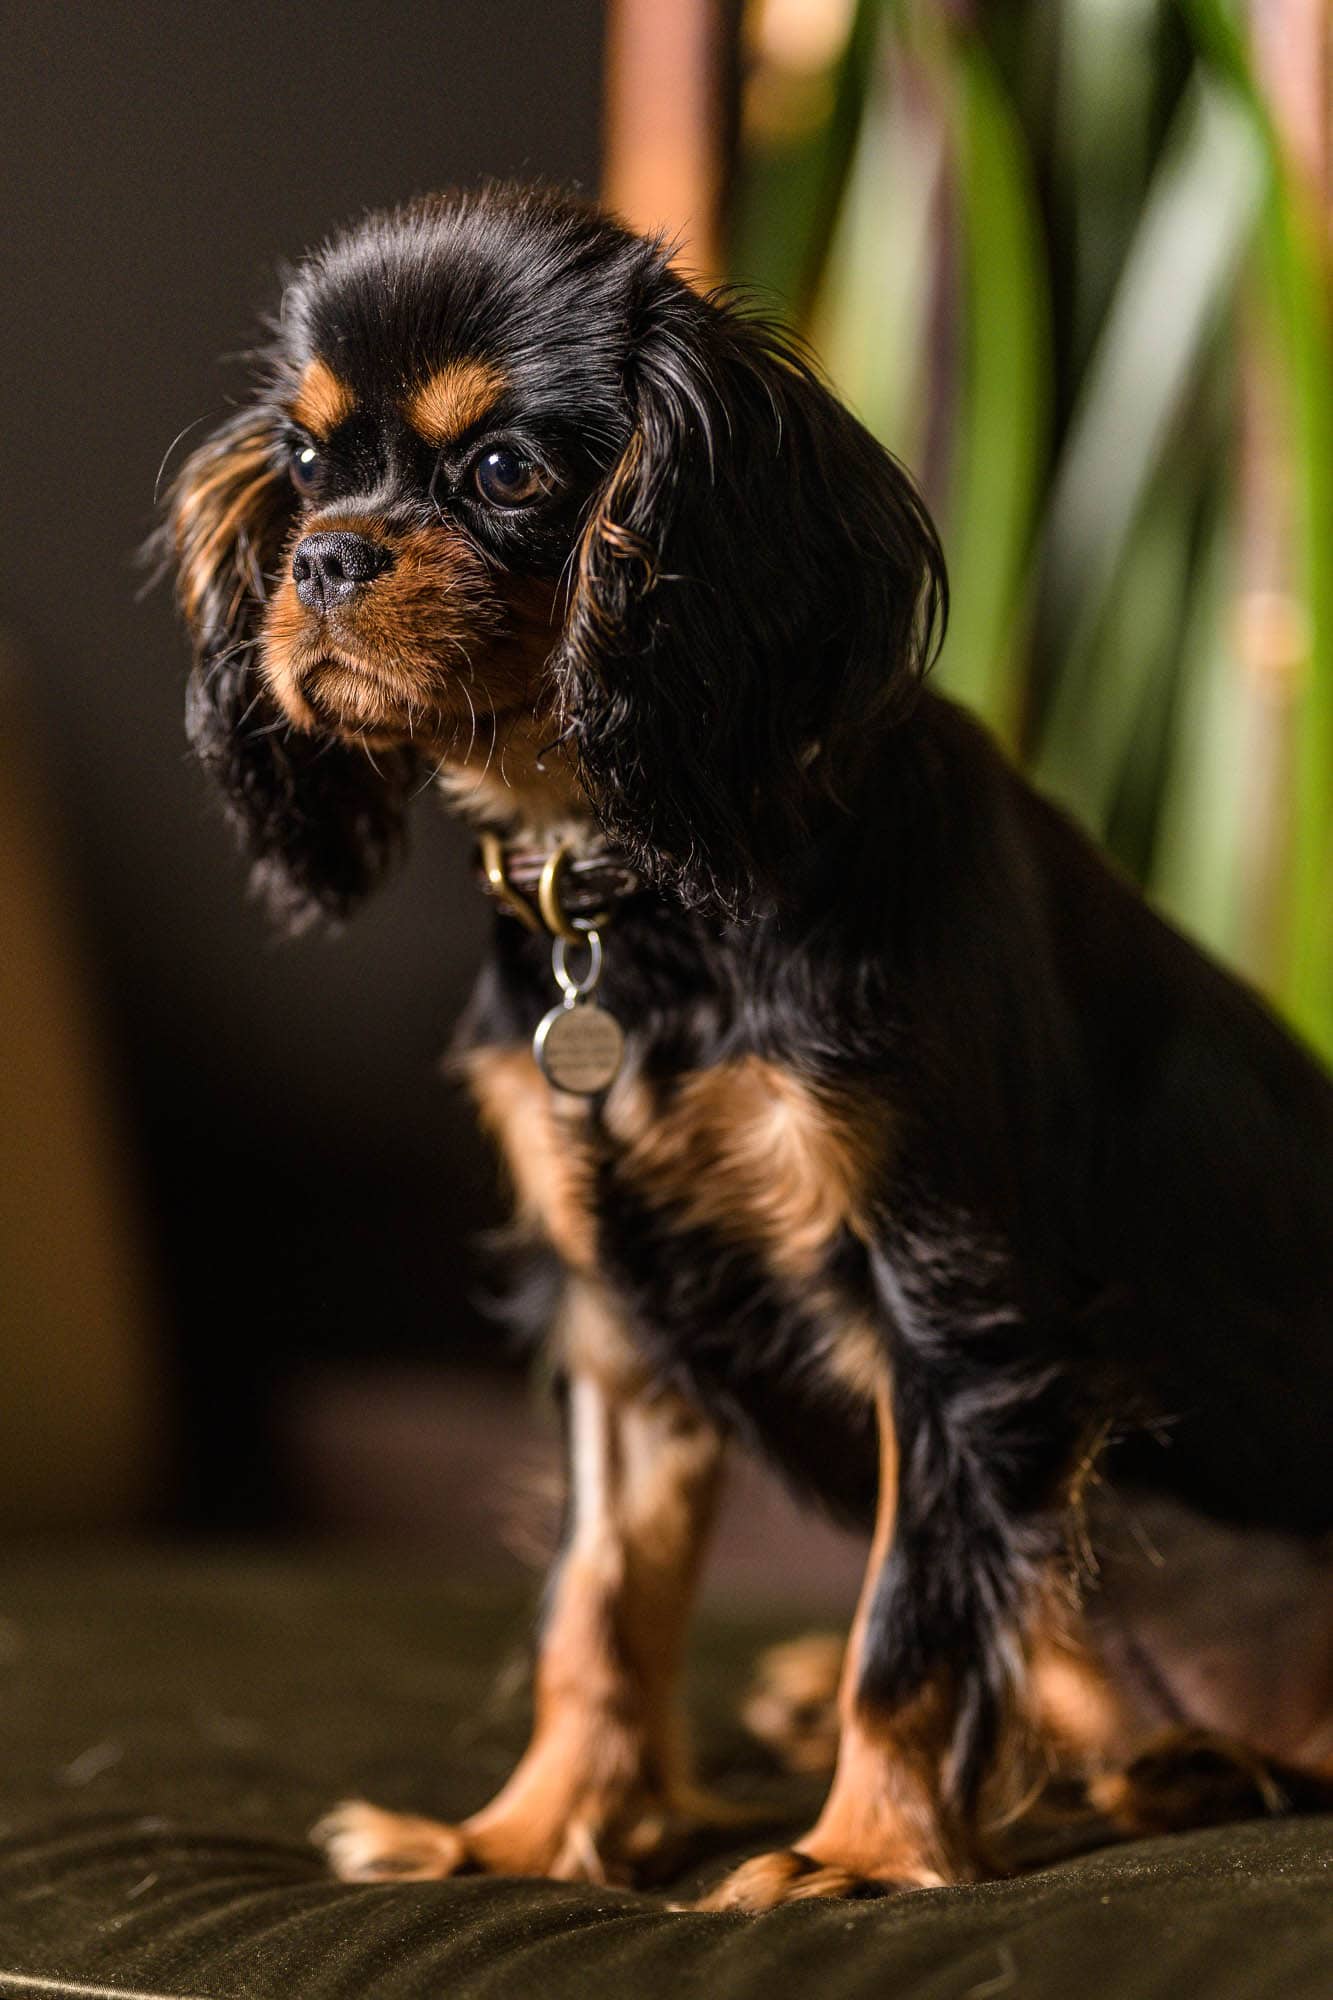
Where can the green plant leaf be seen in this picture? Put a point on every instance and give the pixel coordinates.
(1177, 281)
(1294, 269)
(1002, 425)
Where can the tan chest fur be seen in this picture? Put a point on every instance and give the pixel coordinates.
(745, 1150)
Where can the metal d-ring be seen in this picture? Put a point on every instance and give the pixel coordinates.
(550, 901)
(577, 989)
(497, 875)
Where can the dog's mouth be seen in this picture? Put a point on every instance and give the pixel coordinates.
(323, 684)
(395, 657)
(348, 691)
(345, 694)
(423, 660)
(319, 664)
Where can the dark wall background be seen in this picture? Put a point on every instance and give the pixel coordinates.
(308, 1181)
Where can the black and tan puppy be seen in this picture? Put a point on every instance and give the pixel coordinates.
(933, 1165)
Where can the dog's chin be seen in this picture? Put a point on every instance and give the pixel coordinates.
(338, 694)
(351, 695)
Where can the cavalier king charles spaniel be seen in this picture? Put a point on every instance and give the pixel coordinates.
(854, 1107)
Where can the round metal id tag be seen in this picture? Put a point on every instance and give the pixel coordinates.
(578, 1045)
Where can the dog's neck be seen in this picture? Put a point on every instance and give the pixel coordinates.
(524, 799)
(516, 782)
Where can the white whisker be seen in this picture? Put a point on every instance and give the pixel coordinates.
(184, 432)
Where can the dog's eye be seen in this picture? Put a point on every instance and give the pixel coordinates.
(506, 478)
(303, 462)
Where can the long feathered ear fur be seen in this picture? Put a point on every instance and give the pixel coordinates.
(757, 595)
(320, 821)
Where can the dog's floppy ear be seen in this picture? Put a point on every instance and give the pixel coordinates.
(757, 592)
(319, 819)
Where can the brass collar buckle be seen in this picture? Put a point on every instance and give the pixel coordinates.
(534, 887)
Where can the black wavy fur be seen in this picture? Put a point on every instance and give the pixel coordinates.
(1107, 1208)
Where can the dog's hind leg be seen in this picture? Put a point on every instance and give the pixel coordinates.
(791, 1705)
(1193, 1778)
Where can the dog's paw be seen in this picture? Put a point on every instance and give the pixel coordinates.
(792, 1703)
(365, 1844)
(593, 1839)
(788, 1875)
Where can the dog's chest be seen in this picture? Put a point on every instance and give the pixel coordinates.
(742, 1153)
(723, 1209)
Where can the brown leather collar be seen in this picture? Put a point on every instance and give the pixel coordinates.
(554, 889)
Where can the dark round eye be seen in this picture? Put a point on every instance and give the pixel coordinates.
(304, 463)
(506, 478)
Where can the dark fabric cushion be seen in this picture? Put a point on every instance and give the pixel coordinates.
(171, 1727)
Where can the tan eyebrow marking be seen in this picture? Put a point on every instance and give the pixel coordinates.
(321, 401)
(453, 399)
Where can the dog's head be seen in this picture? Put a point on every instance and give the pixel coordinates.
(516, 503)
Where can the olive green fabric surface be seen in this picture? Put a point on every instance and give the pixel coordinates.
(170, 1727)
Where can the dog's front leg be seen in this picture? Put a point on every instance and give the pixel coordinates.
(604, 1785)
(887, 1822)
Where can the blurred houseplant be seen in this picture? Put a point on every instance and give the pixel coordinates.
(1068, 259)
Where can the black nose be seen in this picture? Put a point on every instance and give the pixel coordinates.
(328, 569)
